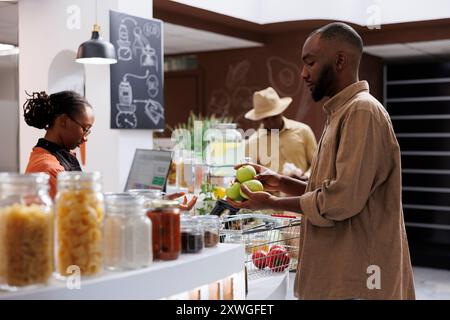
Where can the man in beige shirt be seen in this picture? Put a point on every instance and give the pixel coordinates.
(353, 239)
(295, 142)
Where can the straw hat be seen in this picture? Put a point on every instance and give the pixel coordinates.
(267, 103)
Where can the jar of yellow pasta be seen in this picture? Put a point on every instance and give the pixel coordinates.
(26, 230)
(79, 222)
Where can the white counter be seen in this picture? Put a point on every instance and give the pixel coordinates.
(160, 280)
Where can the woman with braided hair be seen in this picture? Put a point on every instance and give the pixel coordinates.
(67, 118)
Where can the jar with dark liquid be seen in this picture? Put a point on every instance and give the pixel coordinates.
(192, 235)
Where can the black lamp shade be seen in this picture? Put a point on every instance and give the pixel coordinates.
(96, 51)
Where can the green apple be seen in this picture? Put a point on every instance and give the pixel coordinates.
(253, 185)
(233, 192)
(245, 173)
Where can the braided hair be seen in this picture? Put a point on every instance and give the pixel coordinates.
(40, 110)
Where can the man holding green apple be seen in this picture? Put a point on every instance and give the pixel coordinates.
(353, 241)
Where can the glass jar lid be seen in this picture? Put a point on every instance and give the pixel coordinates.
(124, 203)
(148, 193)
(164, 204)
(11, 182)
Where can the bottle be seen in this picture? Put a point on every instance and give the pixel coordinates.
(211, 225)
(192, 235)
(128, 241)
(165, 216)
(79, 208)
(26, 230)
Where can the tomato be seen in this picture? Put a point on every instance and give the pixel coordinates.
(259, 259)
(278, 259)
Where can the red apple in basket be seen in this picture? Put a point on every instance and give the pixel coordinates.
(278, 259)
(259, 259)
(277, 246)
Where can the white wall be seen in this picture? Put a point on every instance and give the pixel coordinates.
(43, 33)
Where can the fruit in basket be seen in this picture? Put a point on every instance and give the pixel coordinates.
(245, 173)
(259, 259)
(219, 192)
(278, 259)
(253, 185)
(234, 191)
(276, 246)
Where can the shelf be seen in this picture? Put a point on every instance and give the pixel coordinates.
(160, 280)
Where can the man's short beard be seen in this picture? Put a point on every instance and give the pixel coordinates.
(322, 87)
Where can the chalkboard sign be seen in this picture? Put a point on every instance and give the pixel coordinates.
(137, 78)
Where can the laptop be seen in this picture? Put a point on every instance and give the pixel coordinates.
(149, 170)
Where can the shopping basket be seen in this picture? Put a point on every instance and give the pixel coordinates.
(260, 234)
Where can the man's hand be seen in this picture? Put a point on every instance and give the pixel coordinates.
(256, 200)
(270, 179)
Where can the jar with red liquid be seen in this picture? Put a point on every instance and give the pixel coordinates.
(165, 216)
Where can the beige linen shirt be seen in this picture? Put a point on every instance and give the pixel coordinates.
(296, 144)
(353, 240)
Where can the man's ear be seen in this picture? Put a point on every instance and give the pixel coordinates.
(340, 61)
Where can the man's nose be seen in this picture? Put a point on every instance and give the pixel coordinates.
(84, 139)
(304, 74)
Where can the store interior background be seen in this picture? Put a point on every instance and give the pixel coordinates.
(213, 64)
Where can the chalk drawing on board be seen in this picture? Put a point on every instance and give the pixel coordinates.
(126, 118)
(153, 109)
(124, 50)
(284, 76)
(141, 45)
(152, 30)
(152, 83)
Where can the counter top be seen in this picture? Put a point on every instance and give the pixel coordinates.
(160, 280)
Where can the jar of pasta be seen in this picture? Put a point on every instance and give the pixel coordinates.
(79, 223)
(165, 216)
(26, 230)
(128, 242)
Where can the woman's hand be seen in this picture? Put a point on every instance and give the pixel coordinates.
(270, 179)
(256, 200)
(185, 206)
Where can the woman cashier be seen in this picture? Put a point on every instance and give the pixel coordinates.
(67, 118)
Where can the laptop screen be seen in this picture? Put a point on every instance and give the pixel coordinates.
(149, 169)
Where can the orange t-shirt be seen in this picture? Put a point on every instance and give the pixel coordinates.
(42, 160)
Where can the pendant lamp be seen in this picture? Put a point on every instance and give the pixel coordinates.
(96, 50)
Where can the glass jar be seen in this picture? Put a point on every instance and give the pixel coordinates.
(211, 225)
(225, 148)
(148, 194)
(225, 145)
(192, 235)
(79, 223)
(128, 242)
(165, 216)
(26, 230)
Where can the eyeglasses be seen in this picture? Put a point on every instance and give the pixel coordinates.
(86, 132)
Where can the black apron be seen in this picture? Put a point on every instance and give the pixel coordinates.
(65, 158)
